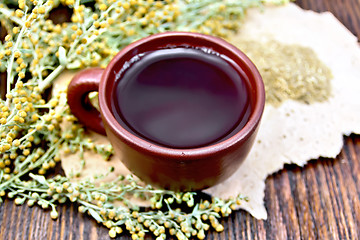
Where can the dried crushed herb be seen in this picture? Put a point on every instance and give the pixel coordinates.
(289, 71)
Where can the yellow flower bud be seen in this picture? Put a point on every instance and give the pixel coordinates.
(19, 13)
(17, 54)
(16, 30)
(112, 233)
(26, 152)
(9, 44)
(102, 7)
(22, 113)
(21, 75)
(70, 2)
(126, 5)
(111, 20)
(3, 120)
(6, 147)
(54, 215)
(41, 10)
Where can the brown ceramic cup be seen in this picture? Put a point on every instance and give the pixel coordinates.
(176, 169)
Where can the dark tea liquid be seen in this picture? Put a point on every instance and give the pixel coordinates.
(181, 98)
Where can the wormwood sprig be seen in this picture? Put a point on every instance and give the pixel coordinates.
(35, 51)
(93, 37)
(99, 203)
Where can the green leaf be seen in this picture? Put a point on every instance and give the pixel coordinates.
(95, 215)
(26, 51)
(74, 65)
(62, 56)
(39, 178)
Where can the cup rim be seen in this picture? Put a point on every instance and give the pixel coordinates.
(183, 153)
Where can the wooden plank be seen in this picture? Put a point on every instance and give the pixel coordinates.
(347, 11)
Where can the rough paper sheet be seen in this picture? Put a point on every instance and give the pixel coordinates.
(293, 132)
(296, 132)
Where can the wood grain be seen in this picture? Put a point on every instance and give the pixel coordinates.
(319, 201)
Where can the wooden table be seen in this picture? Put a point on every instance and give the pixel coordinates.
(319, 201)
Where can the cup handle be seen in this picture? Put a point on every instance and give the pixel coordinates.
(81, 85)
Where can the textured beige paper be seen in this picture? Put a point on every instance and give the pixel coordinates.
(293, 132)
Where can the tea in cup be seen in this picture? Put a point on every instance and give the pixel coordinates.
(182, 108)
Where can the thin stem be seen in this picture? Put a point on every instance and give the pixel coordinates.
(90, 205)
(48, 80)
(27, 135)
(32, 189)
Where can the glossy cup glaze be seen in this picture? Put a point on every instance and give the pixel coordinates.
(176, 169)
